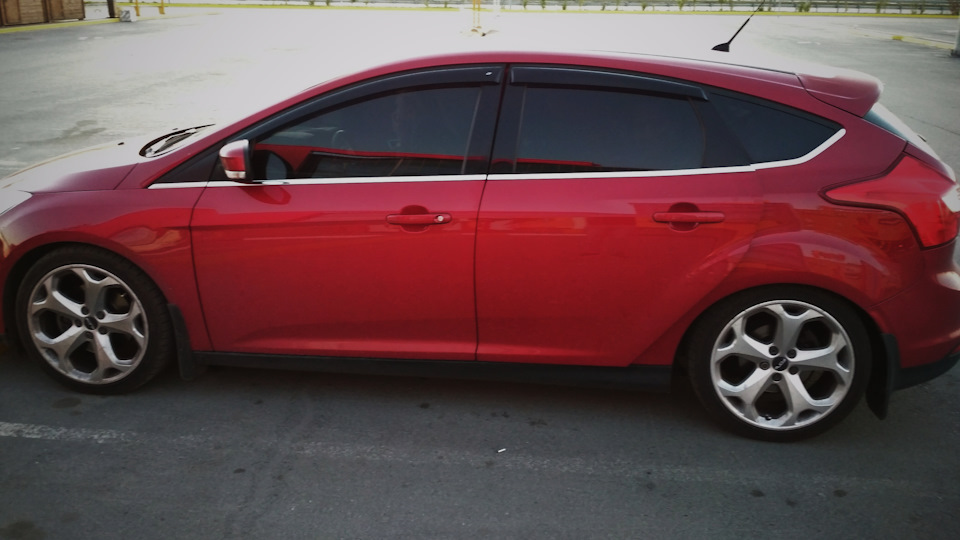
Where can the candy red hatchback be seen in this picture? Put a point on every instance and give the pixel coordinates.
(595, 218)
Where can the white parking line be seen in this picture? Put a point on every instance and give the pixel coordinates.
(31, 431)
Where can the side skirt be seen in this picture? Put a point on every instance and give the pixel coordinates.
(632, 377)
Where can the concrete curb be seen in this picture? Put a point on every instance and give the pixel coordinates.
(906, 39)
(48, 26)
(67, 24)
(926, 42)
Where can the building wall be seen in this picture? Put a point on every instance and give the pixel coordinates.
(22, 11)
(32, 11)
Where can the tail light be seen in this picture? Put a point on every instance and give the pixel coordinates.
(928, 200)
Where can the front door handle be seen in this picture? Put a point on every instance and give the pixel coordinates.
(419, 219)
(688, 217)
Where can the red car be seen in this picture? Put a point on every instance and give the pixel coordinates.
(586, 218)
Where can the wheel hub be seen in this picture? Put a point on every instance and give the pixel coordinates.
(781, 363)
(90, 323)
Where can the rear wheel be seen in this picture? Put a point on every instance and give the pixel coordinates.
(779, 364)
(93, 320)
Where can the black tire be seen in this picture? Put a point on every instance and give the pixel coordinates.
(94, 321)
(779, 363)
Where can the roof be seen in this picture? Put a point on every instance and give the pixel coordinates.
(762, 75)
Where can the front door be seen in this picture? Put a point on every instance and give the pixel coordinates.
(357, 238)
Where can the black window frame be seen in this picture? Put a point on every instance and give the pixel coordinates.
(523, 76)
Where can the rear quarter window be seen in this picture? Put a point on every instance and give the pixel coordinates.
(771, 132)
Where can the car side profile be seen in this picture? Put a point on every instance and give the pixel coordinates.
(590, 218)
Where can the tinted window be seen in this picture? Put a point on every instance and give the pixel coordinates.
(589, 130)
(406, 133)
(771, 133)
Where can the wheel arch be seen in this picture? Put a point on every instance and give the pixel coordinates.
(11, 286)
(877, 389)
(26, 260)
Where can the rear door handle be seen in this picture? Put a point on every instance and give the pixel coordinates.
(419, 219)
(688, 217)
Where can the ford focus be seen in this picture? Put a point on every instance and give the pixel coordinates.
(776, 234)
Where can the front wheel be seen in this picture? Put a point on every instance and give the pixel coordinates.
(779, 364)
(93, 320)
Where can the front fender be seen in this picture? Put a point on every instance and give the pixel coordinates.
(148, 227)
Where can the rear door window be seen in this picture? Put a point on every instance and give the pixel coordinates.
(564, 130)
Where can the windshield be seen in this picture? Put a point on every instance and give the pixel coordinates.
(169, 141)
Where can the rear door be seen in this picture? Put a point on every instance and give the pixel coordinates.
(358, 237)
(616, 202)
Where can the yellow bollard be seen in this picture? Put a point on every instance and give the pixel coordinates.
(136, 7)
(161, 8)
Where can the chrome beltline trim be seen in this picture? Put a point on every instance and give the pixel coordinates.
(327, 181)
(803, 159)
(622, 174)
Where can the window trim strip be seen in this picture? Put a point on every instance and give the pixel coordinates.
(327, 181)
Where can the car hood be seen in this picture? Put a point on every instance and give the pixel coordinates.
(97, 168)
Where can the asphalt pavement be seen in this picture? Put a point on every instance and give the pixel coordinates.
(259, 454)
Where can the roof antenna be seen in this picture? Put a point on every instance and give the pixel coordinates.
(725, 47)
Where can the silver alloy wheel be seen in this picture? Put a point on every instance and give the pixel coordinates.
(87, 324)
(781, 365)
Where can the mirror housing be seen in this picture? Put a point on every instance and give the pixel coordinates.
(235, 158)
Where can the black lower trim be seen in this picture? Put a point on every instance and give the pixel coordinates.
(892, 377)
(907, 377)
(187, 364)
(637, 377)
(881, 383)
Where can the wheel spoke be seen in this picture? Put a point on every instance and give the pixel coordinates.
(742, 345)
(799, 401)
(125, 323)
(107, 361)
(747, 392)
(826, 359)
(95, 288)
(790, 325)
(63, 346)
(53, 300)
